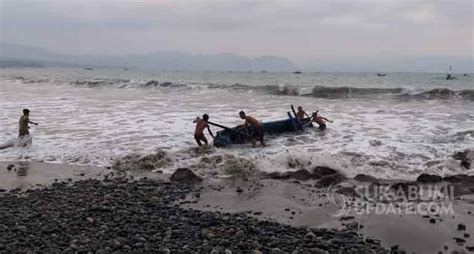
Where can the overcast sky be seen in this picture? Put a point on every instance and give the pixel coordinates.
(300, 30)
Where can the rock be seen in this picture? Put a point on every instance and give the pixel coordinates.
(461, 227)
(276, 175)
(466, 235)
(470, 248)
(433, 220)
(365, 178)
(344, 218)
(354, 225)
(428, 178)
(276, 251)
(404, 186)
(461, 178)
(239, 190)
(324, 171)
(459, 240)
(10, 167)
(329, 180)
(375, 142)
(466, 157)
(164, 251)
(301, 174)
(185, 175)
(22, 228)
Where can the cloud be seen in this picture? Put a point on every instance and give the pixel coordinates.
(302, 30)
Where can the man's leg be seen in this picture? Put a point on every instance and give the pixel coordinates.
(203, 138)
(198, 140)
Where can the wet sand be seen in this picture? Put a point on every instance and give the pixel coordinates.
(299, 204)
(29, 174)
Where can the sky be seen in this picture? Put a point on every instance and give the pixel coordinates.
(300, 30)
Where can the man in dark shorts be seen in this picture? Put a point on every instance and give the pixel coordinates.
(23, 123)
(24, 138)
(201, 124)
(320, 120)
(258, 132)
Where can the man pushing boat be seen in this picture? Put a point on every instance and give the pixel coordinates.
(258, 131)
(320, 120)
(202, 124)
(301, 114)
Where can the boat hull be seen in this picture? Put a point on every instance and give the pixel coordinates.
(225, 138)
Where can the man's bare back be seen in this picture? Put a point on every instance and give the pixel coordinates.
(200, 126)
(252, 122)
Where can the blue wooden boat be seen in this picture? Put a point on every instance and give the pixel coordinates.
(238, 135)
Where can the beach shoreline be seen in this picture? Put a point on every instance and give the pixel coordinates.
(289, 201)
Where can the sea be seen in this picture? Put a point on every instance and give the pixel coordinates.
(394, 127)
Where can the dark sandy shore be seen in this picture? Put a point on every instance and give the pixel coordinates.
(94, 210)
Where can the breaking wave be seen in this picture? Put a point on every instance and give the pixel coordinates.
(326, 92)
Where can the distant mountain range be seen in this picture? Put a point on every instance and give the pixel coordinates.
(15, 55)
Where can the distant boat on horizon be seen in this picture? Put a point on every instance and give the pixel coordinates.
(381, 74)
(88, 69)
(297, 72)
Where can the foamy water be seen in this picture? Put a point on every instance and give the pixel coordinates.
(408, 126)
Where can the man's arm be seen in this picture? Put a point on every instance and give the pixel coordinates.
(245, 124)
(32, 122)
(210, 132)
(327, 119)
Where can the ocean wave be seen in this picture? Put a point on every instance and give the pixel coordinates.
(380, 93)
(326, 92)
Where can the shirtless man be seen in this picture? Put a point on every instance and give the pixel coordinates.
(320, 120)
(258, 132)
(23, 124)
(201, 124)
(301, 114)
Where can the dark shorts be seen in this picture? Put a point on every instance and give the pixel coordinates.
(322, 127)
(258, 133)
(199, 136)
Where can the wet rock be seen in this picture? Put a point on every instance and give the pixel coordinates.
(461, 227)
(459, 240)
(10, 167)
(329, 180)
(353, 225)
(365, 178)
(185, 175)
(301, 174)
(276, 175)
(375, 142)
(428, 178)
(433, 221)
(466, 157)
(324, 171)
(404, 186)
(461, 178)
